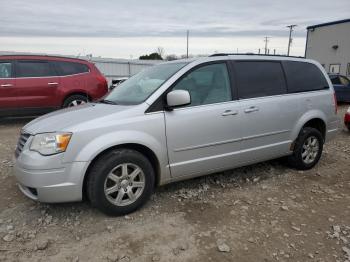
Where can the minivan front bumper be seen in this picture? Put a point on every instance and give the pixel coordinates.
(39, 180)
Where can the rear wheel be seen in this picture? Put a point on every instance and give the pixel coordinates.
(120, 182)
(75, 100)
(307, 150)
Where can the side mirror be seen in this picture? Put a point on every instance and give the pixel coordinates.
(177, 98)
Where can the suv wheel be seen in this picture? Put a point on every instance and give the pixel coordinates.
(120, 182)
(307, 149)
(75, 100)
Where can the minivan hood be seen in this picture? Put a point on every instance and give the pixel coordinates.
(65, 119)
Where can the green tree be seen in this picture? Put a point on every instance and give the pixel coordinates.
(152, 56)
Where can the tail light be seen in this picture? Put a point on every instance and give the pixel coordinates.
(335, 103)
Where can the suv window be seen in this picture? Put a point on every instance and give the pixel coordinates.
(259, 78)
(303, 77)
(5, 69)
(70, 68)
(335, 80)
(207, 84)
(33, 69)
(344, 81)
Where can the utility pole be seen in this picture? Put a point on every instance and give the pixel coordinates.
(188, 33)
(266, 40)
(290, 36)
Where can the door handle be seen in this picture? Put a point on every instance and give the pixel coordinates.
(229, 113)
(251, 109)
(6, 85)
(52, 83)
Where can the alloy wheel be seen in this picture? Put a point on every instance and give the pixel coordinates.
(76, 103)
(124, 184)
(310, 150)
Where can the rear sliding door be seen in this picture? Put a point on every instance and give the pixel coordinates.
(268, 113)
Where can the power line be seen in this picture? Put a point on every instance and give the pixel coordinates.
(187, 33)
(290, 37)
(266, 40)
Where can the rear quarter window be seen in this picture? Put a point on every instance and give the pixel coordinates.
(70, 68)
(259, 78)
(303, 77)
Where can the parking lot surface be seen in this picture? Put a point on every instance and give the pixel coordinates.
(264, 212)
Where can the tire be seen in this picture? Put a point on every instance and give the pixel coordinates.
(304, 157)
(75, 100)
(348, 126)
(108, 187)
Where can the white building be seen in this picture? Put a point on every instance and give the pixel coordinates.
(329, 44)
(113, 68)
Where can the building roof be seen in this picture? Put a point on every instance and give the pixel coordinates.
(329, 23)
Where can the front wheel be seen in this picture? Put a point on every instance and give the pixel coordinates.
(307, 150)
(120, 182)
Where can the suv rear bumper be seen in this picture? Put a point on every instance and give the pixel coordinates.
(62, 184)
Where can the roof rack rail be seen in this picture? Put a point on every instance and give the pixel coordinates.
(42, 55)
(252, 54)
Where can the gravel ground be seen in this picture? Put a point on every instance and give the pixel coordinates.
(264, 212)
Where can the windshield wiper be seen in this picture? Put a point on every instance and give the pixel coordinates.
(105, 101)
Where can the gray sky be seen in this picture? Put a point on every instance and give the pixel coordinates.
(125, 28)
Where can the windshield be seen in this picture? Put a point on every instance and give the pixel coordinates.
(139, 87)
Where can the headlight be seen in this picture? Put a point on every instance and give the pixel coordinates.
(50, 143)
(348, 110)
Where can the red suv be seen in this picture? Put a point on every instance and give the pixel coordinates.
(31, 84)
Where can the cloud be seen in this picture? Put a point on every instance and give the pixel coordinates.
(204, 18)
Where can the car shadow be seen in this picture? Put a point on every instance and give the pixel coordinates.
(16, 120)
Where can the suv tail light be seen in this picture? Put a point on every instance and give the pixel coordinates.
(335, 103)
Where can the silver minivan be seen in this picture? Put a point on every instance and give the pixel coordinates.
(175, 121)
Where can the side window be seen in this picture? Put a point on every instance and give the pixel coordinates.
(335, 80)
(33, 69)
(259, 78)
(5, 69)
(303, 77)
(344, 81)
(71, 68)
(207, 85)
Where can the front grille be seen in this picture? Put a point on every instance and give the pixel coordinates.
(21, 142)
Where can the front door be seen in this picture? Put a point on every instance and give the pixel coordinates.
(204, 136)
(342, 89)
(36, 84)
